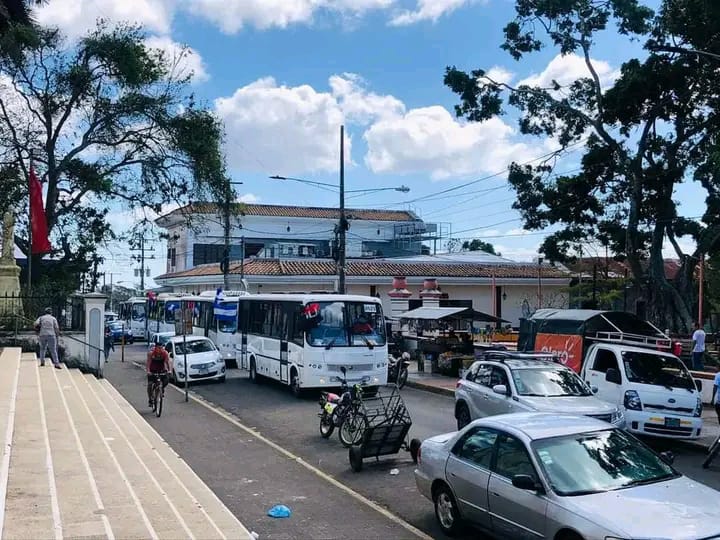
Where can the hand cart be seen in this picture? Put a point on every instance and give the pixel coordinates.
(387, 425)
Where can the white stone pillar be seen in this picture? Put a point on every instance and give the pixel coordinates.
(95, 332)
(399, 297)
(430, 294)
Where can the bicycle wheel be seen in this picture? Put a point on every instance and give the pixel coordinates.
(352, 429)
(158, 399)
(713, 453)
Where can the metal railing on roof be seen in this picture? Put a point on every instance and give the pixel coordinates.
(635, 340)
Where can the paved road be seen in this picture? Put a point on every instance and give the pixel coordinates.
(293, 424)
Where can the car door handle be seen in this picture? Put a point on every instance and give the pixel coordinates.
(495, 494)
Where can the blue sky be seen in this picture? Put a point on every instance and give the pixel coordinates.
(284, 74)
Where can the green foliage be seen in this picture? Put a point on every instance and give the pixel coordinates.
(106, 120)
(655, 128)
(479, 245)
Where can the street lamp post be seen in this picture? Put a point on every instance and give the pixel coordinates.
(342, 226)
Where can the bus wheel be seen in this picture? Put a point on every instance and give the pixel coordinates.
(295, 384)
(253, 372)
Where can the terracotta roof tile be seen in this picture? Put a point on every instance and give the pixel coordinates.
(384, 268)
(273, 210)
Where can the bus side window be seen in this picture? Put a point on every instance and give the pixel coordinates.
(296, 318)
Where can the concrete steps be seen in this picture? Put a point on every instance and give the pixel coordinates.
(83, 463)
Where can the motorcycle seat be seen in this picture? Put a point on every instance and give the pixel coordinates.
(333, 398)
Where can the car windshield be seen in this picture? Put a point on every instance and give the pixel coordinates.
(554, 382)
(601, 461)
(194, 347)
(342, 324)
(656, 369)
(116, 326)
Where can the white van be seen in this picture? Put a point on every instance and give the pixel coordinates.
(654, 388)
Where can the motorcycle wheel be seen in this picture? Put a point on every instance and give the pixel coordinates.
(326, 425)
(402, 378)
(352, 429)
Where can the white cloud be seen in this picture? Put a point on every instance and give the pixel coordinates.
(233, 15)
(427, 10)
(358, 104)
(76, 17)
(272, 127)
(500, 75)
(430, 140)
(248, 198)
(185, 60)
(569, 68)
(280, 128)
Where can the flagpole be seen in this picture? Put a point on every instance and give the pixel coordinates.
(30, 239)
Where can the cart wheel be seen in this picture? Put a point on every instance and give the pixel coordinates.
(414, 449)
(356, 459)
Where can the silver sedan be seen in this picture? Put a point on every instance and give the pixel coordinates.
(561, 477)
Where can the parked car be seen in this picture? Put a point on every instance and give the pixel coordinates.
(568, 477)
(510, 382)
(160, 337)
(117, 329)
(204, 361)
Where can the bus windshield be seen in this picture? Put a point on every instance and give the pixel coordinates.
(347, 324)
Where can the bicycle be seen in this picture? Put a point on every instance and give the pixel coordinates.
(157, 393)
(712, 453)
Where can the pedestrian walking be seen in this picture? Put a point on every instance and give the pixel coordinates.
(48, 333)
(698, 350)
(109, 342)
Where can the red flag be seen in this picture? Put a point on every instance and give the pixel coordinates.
(38, 223)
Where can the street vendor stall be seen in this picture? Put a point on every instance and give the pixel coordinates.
(444, 335)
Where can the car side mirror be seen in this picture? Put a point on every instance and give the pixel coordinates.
(500, 389)
(613, 376)
(668, 457)
(698, 385)
(172, 355)
(526, 482)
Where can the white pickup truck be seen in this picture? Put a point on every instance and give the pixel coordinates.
(654, 388)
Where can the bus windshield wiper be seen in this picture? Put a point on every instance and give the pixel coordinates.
(367, 342)
(330, 343)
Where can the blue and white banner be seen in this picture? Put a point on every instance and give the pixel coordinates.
(224, 311)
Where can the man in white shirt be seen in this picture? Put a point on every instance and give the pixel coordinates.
(48, 332)
(698, 350)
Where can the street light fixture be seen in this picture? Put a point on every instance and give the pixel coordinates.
(342, 224)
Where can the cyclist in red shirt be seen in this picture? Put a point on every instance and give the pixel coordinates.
(158, 362)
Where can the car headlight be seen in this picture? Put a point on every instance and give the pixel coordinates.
(698, 408)
(617, 416)
(615, 538)
(632, 401)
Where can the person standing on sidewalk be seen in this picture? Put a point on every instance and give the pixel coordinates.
(698, 350)
(48, 333)
(109, 342)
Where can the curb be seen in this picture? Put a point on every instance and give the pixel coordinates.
(429, 388)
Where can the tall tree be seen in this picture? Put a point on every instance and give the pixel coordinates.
(653, 129)
(479, 245)
(16, 12)
(105, 120)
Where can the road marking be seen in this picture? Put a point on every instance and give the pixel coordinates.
(169, 469)
(354, 494)
(54, 505)
(86, 463)
(154, 480)
(5, 467)
(112, 455)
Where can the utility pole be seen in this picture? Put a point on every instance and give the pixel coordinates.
(242, 257)
(540, 261)
(225, 262)
(141, 249)
(343, 222)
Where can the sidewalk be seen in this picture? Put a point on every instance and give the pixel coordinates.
(444, 385)
(77, 461)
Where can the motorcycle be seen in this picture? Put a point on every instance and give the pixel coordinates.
(343, 412)
(398, 369)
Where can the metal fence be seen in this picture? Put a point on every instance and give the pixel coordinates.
(18, 311)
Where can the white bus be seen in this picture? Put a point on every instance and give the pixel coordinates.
(163, 311)
(303, 340)
(132, 313)
(218, 322)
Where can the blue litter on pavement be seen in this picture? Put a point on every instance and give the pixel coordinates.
(279, 511)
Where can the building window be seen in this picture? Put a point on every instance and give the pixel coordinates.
(173, 252)
(207, 253)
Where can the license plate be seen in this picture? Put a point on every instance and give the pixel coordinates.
(203, 371)
(329, 407)
(672, 422)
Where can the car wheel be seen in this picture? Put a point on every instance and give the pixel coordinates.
(254, 377)
(446, 511)
(568, 535)
(463, 416)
